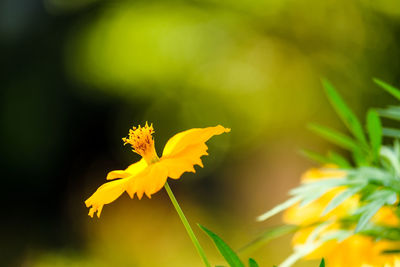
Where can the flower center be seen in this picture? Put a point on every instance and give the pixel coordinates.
(141, 140)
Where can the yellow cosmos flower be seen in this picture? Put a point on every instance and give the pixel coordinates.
(356, 250)
(149, 175)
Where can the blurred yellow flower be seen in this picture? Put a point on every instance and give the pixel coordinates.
(356, 250)
(149, 175)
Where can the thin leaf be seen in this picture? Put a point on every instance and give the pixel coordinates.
(360, 158)
(252, 263)
(347, 116)
(268, 236)
(338, 199)
(388, 88)
(230, 256)
(334, 136)
(279, 208)
(383, 232)
(307, 188)
(322, 264)
(388, 154)
(390, 113)
(391, 132)
(374, 128)
(315, 156)
(338, 160)
(370, 211)
(312, 197)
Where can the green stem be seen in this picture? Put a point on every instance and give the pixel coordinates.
(187, 225)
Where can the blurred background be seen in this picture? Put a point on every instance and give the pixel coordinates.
(77, 74)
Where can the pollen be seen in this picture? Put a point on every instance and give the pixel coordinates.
(142, 142)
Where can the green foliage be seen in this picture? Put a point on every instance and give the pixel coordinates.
(375, 132)
(252, 263)
(344, 112)
(229, 255)
(387, 87)
(375, 177)
(364, 152)
(390, 132)
(315, 156)
(267, 236)
(322, 264)
(335, 137)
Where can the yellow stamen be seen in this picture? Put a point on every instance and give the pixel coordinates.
(142, 142)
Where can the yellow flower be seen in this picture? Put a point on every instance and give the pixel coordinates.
(149, 175)
(356, 250)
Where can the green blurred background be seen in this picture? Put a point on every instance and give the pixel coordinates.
(77, 74)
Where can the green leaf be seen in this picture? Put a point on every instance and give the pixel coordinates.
(347, 116)
(390, 156)
(383, 232)
(338, 160)
(322, 264)
(360, 158)
(338, 199)
(252, 263)
(390, 113)
(370, 210)
(334, 136)
(230, 256)
(374, 128)
(315, 156)
(391, 132)
(267, 236)
(388, 88)
(279, 208)
(391, 251)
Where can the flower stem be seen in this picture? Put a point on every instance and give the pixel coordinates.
(187, 225)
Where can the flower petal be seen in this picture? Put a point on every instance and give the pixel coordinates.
(183, 140)
(185, 149)
(117, 174)
(105, 194)
(148, 182)
(132, 170)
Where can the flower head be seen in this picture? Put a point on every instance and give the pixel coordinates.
(149, 175)
(357, 250)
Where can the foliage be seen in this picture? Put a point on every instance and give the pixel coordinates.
(230, 256)
(372, 175)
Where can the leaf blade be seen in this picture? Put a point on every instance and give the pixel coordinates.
(252, 263)
(334, 136)
(279, 208)
(388, 88)
(340, 198)
(344, 112)
(391, 132)
(374, 127)
(268, 236)
(230, 256)
(315, 156)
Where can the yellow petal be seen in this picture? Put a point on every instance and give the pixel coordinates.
(117, 174)
(148, 182)
(191, 137)
(185, 149)
(184, 161)
(105, 194)
(132, 170)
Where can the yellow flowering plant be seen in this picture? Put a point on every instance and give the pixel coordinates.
(347, 210)
(147, 176)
